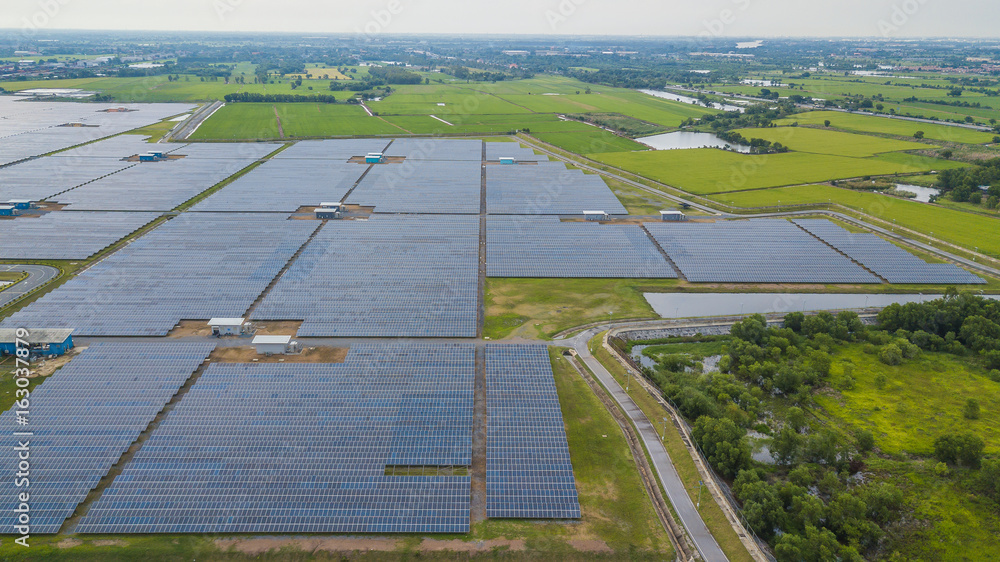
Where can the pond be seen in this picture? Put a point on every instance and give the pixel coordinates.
(683, 140)
(688, 99)
(692, 305)
(923, 193)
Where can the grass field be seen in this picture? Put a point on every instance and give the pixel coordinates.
(250, 121)
(707, 170)
(821, 141)
(592, 141)
(884, 125)
(922, 399)
(957, 227)
(540, 308)
(315, 119)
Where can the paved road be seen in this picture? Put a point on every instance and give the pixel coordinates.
(184, 130)
(38, 275)
(672, 484)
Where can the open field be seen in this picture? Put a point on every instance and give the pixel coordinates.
(240, 121)
(884, 125)
(956, 227)
(708, 170)
(921, 400)
(820, 141)
(315, 119)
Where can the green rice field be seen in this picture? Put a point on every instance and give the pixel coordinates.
(822, 141)
(885, 125)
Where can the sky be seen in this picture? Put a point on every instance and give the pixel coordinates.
(735, 18)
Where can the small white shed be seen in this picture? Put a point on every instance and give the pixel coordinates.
(227, 326)
(672, 216)
(596, 215)
(272, 345)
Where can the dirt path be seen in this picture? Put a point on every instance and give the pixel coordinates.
(281, 130)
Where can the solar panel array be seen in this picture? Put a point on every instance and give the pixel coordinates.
(437, 149)
(332, 149)
(887, 260)
(533, 246)
(528, 470)
(225, 150)
(754, 251)
(303, 448)
(195, 266)
(285, 185)
(83, 418)
(152, 186)
(31, 128)
(64, 235)
(421, 186)
(547, 188)
(121, 146)
(42, 178)
(497, 150)
(390, 276)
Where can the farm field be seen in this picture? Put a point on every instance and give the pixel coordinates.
(706, 170)
(885, 125)
(240, 121)
(822, 141)
(956, 227)
(315, 119)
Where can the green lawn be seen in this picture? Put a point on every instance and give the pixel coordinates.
(821, 141)
(870, 124)
(319, 119)
(957, 227)
(708, 170)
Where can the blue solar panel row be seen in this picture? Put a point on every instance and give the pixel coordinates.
(64, 235)
(43, 178)
(83, 418)
(753, 251)
(285, 185)
(528, 470)
(332, 149)
(421, 186)
(195, 266)
(533, 246)
(547, 188)
(295, 448)
(437, 149)
(887, 260)
(390, 276)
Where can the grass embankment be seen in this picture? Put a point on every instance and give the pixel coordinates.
(710, 512)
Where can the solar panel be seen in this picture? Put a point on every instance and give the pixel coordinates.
(43, 178)
(295, 448)
(421, 186)
(528, 470)
(887, 260)
(391, 276)
(547, 188)
(332, 149)
(540, 246)
(83, 418)
(753, 251)
(301, 184)
(195, 266)
(64, 235)
(497, 150)
(437, 149)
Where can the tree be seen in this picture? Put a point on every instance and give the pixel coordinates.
(989, 479)
(785, 446)
(918, 135)
(965, 449)
(826, 123)
(816, 545)
(971, 409)
(947, 154)
(890, 354)
(725, 445)
(866, 441)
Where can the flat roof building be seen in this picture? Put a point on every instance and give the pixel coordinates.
(272, 345)
(672, 216)
(40, 342)
(596, 215)
(8, 211)
(227, 326)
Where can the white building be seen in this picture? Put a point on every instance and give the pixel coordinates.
(227, 326)
(273, 345)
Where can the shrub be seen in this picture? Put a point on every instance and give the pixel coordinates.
(866, 441)
(971, 410)
(890, 354)
(965, 449)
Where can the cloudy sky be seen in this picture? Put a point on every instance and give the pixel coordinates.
(759, 18)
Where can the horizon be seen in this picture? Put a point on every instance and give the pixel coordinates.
(887, 19)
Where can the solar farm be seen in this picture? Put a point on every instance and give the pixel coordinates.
(154, 429)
